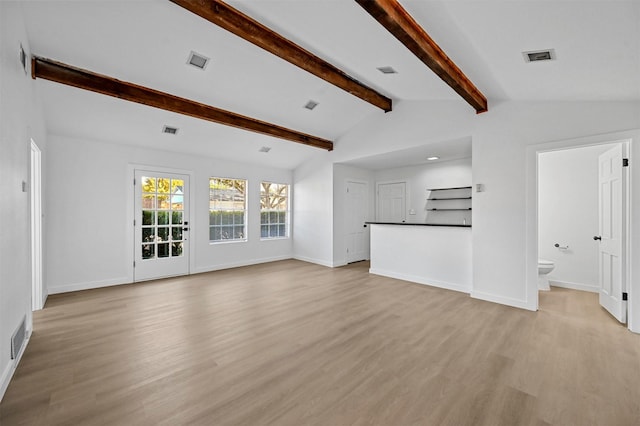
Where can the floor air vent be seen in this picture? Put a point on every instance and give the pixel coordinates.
(17, 340)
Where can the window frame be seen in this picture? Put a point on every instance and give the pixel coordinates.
(287, 222)
(233, 211)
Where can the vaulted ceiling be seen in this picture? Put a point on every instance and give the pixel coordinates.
(148, 43)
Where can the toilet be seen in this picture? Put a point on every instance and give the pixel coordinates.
(544, 267)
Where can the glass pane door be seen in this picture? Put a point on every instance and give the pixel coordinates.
(161, 225)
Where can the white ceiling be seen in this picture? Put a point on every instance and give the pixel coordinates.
(148, 42)
(445, 151)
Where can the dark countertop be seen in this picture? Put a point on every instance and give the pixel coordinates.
(416, 224)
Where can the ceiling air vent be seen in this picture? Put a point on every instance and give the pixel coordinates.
(387, 70)
(311, 105)
(539, 55)
(264, 149)
(170, 130)
(197, 60)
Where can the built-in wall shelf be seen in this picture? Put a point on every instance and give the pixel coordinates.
(448, 189)
(451, 206)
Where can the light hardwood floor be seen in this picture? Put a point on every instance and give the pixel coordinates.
(291, 343)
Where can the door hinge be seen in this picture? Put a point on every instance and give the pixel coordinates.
(625, 162)
(134, 263)
(134, 181)
(624, 296)
(134, 222)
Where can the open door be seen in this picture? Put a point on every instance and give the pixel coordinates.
(611, 244)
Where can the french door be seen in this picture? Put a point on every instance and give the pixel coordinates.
(161, 225)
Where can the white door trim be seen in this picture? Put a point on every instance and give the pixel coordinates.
(129, 242)
(37, 295)
(632, 215)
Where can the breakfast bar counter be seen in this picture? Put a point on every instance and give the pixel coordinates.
(435, 255)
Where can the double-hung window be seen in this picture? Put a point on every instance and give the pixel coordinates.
(274, 210)
(227, 209)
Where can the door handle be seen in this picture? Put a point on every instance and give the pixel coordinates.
(597, 237)
(365, 225)
(185, 229)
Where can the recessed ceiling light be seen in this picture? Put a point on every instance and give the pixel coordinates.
(311, 105)
(433, 158)
(170, 130)
(197, 60)
(265, 149)
(387, 70)
(539, 55)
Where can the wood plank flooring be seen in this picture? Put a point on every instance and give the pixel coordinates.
(292, 343)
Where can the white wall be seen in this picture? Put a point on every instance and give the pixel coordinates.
(90, 201)
(313, 211)
(445, 174)
(20, 120)
(568, 215)
(502, 234)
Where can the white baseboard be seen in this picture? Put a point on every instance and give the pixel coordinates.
(516, 303)
(11, 367)
(574, 286)
(239, 264)
(326, 263)
(89, 285)
(421, 280)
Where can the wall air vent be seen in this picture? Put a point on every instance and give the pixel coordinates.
(387, 70)
(18, 338)
(311, 105)
(197, 60)
(539, 55)
(170, 130)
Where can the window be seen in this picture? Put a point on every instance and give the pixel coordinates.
(227, 209)
(274, 210)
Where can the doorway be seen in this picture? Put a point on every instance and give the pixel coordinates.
(36, 227)
(582, 211)
(161, 225)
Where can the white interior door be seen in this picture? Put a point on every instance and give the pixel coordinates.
(161, 225)
(391, 202)
(355, 215)
(610, 238)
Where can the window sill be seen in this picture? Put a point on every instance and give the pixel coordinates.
(274, 239)
(215, 243)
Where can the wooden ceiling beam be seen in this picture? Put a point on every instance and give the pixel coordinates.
(87, 80)
(236, 22)
(391, 15)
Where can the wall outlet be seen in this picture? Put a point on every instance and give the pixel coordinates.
(412, 212)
